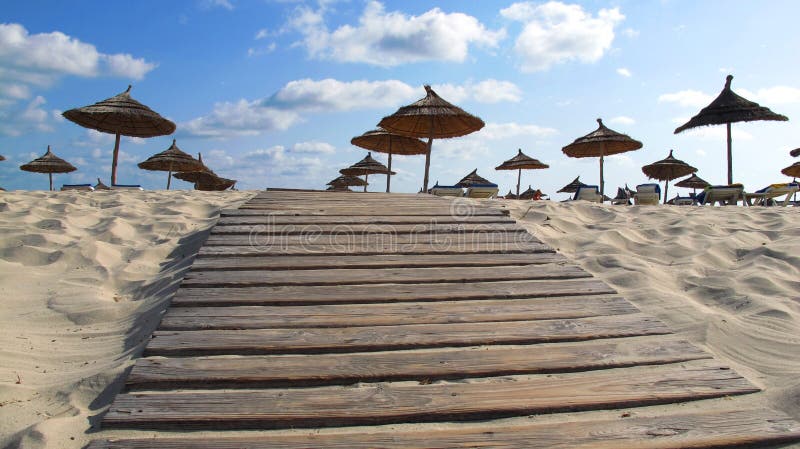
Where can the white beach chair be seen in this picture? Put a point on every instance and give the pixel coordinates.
(723, 195)
(761, 197)
(446, 190)
(126, 187)
(647, 194)
(82, 187)
(482, 191)
(588, 193)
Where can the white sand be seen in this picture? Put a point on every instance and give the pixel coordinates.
(83, 277)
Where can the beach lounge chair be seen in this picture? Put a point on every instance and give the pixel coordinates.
(126, 187)
(763, 196)
(482, 191)
(723, 195)
(446, 190)
(647, 194)
(588, 193)
(681, 201)
(84, 187)
(622, 198)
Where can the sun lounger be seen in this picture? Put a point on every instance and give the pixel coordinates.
(682, 201)
(84, 187)
(126, 187)
(447, 190)
(588, 193)
(482, 191)
(723, 195)
(647, 194)
(763, 196)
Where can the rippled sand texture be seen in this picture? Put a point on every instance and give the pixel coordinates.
(83, 279)
(726, 278)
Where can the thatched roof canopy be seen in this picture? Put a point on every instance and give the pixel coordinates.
(347, 181)
(172, 159)
(366, 166)
(522, 161)
(573, 186)
(795, 152)
(383, 141)
(693, 182)
(510, 195)
(431, 117)
(2, 158)
(792, 170)
(48, 163)
(601, 142)
(668, 169)
(471, 179)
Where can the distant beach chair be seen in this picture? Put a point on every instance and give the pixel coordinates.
(647, 194)
(588, 193)
(84, 187)
(126, 187)
(623, 198)
(763, 196)
(446, 190)
(482, 191)
(723, 195)
(682, 201)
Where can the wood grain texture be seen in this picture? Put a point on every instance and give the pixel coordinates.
(385, 338)
(251, 209)
(364, 229)
(427, 365)
(346, 239)
(374, 249)
(277, 220)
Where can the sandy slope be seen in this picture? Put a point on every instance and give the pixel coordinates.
(83, 277)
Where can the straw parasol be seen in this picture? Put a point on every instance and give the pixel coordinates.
(365, 167)
(792, 170)
(431, 118)
(471, 179)
(521, 162)
(728, 108)
(2, 158)
(602, 142)
(510, 195)
(193, 176)
(347, 181)
(693, 182)
(49, 163)
(793, 153)
(668, 169)
(383, 141)
(172, 159)
(121, 115)
(573, 186)
(204, 178)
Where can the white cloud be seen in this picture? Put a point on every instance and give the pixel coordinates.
(622, 71)
(495, 131)
(313, 147)
(31, 117)
(392, 38)
(125, 65)
(262, 34)
(334, 95)
(687, 98)
(494, 91)
(209, 4)
(631, 33)
(622, 120)
(556, 33)
(701, 153)
(772, 95)
(241, 118)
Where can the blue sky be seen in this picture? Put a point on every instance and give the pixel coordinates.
(271, 92)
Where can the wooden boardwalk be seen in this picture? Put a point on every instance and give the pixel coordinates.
(309, 310)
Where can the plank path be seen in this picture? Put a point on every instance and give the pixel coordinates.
(361, 312)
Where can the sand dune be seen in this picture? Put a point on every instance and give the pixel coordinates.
(83, 277)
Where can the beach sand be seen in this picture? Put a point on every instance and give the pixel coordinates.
(83, 279)
(85, 276)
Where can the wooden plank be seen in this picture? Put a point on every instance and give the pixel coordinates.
(314, 238)
(356, 229)
(366, 294)
(385, 403)
(365, 210)
(375, 262)
(345, 276)
(351, 220)
(706, 429)
(374, 249)
(384, 338)
(429, 365)
(386, 314)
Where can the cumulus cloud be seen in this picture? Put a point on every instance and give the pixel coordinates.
(622, 120)
(392, 38)
(241, 118)
(622, 71)
(773, 95)
(556, 33)
(209, 4)
(687, 98)
(334, 95)
(30, 117)
(313, 147)
(126, 66)
(495, 131)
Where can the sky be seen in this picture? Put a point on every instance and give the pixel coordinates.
(272, 91)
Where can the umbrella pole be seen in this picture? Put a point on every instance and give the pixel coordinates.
(114, 162)
(51, 181)
(389, 175)
(730, 156)
(519, 175)
(169, 178)
(427, 165)
(602, 182)
(366, 181)
(666, 187)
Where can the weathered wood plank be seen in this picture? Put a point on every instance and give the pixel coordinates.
(345, 276)
(365, 294)
(361, 220)
(385, 403)
(374, 262)
(356, 238)
(367, 229)
(368, 249)
(427, 365)
(383, 338)
(387, 314)
(699, 430)
(250, 209)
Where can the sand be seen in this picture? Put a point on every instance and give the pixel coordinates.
(83, 279)
(85, 276)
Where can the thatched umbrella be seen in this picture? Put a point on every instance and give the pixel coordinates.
(121, 115)
(521, 162)
(347, 181)
(383, 141)
(48, 163)
(693, 182)
(2, 158)
(170, 160)
(602, 142)
(668, 169)
(793, 153)
(193, 176)
(510, 195)
(365, 167)
(471, 179)
(792, 170)
(204, 178)
(728, 108)
(431, 118)
(573, 186)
